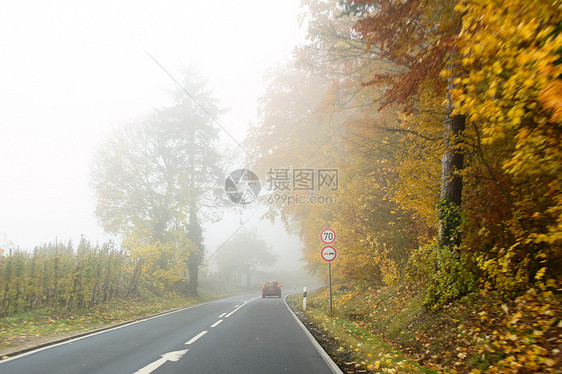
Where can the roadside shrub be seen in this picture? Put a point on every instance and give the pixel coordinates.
(455, 277)
(421, 265)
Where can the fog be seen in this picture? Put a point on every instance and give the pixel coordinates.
(73, 71)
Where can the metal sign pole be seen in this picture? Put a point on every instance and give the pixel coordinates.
(330, 282)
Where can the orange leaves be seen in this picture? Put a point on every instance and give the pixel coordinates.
(551, 98)
(416, 37)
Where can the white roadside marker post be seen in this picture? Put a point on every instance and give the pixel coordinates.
(304, 298)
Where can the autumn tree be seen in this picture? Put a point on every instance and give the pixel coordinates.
(328, 119)
(418, 37)
(152, 180)
(507, 85)
(497, 87)
(292, 133)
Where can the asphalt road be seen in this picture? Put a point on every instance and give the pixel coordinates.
(241, 334)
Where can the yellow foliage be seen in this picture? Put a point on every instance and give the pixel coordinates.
(523, 335)
(508, 86)
(419, 167)
(163, 262)
(551, 97)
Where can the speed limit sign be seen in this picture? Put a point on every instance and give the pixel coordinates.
(328, 236)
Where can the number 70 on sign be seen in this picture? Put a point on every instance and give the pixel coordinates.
(328, 236)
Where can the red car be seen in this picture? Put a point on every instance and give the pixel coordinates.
(271, 289)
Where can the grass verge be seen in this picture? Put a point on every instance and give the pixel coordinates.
(354, 348)
(28, 329)
(480, 333)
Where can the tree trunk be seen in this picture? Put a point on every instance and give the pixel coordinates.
(134, 280)
(451, 180)
(193, 282)
(195, 233)
(248, 275)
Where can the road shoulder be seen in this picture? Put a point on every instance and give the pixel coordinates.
(326, 345)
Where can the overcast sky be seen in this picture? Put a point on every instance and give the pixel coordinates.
(71, 71)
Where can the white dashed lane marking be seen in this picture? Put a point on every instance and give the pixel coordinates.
(194, 339)
(237, 307)
(216, 323)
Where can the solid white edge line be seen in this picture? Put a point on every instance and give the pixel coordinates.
(194, 339)
(335, 368)
(216, 323)
(100, 332)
